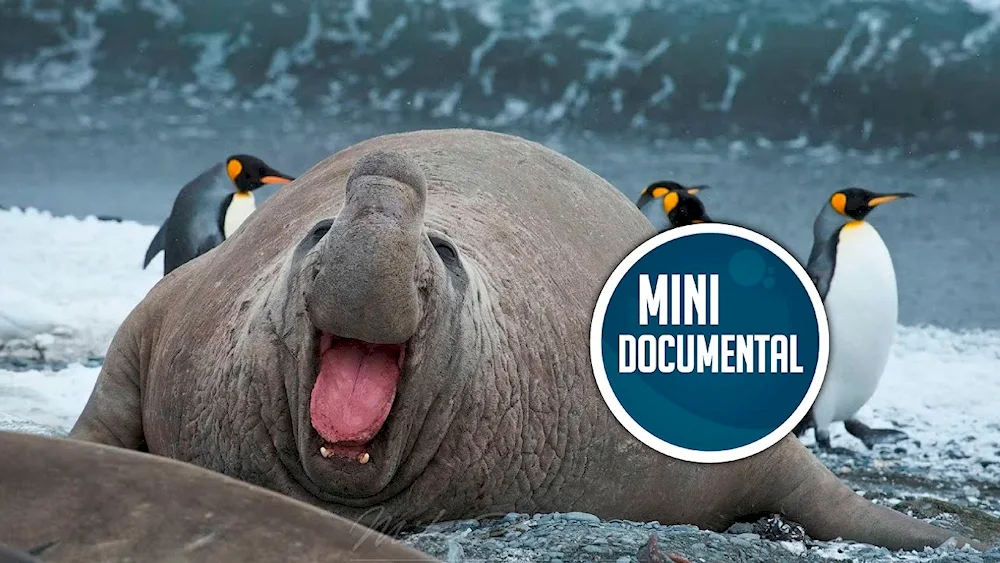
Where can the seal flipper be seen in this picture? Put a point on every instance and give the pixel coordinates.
(872, 436)
(155, 245)
(113, 414)
(811, 495)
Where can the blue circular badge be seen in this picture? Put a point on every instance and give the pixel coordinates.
(709, 343)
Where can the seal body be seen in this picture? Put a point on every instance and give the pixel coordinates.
(66, 500)
(390, 339)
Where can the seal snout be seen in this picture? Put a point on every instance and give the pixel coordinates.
(369, 262)
(388, 165)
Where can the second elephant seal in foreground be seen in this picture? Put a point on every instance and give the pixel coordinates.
(418, 350)
(69, 501)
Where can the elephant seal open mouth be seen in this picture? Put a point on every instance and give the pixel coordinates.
(353, 393)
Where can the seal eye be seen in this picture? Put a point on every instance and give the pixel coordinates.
(445, 250)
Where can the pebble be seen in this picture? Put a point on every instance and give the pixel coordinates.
(454, 525)
(738, 541)
(741, 528)
(20, 359)
(581, 517)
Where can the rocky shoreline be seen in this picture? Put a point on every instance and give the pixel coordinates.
(556, 538)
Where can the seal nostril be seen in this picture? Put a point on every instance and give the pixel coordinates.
(321, 231)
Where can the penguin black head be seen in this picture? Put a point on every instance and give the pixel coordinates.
(680, 203)
(249, 173)
(857, 203)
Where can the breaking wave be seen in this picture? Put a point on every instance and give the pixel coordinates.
(861, 73)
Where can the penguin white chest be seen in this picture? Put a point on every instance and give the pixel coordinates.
(862, 309)
(240, 207)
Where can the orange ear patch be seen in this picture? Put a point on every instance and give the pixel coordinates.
(670, 201)
(838, 202)
(660, 192)
(233, 168)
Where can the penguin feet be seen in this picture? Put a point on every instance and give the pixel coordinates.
(823, 441)
(873, 436)
(800, 429)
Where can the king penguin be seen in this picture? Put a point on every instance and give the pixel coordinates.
(210, 208)
(853, 272)
(680, 204)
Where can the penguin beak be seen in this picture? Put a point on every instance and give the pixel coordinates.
(276, 179)
(886, 198)
(697, 189)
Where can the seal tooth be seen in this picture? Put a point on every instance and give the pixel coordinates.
(325, 452)
(363, 458)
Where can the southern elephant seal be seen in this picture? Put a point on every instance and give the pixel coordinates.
(71, 501)
(418, 350)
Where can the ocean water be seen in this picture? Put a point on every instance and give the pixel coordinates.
(107, 107)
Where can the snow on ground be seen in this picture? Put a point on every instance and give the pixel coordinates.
(66, 284)
(943, 389)
(46, 401)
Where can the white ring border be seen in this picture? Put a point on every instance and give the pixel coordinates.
(597, 357)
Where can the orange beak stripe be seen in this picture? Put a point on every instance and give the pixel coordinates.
(275, 180)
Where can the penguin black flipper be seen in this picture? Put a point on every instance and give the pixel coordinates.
(822, 261)
(192, 220)
(206, 244)
(155, 245)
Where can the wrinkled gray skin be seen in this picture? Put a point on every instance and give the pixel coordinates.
(67, 501)
(497, 409)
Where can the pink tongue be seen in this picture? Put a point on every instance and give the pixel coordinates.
(354, 391)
